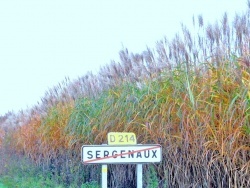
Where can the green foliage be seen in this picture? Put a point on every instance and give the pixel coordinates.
(2, 185)
(92, 184)
(246, 129)
(152, 180)
(22, 173)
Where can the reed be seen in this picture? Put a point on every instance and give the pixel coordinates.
(190, 94)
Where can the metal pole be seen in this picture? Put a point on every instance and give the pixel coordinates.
(139, 175)
(104, 176)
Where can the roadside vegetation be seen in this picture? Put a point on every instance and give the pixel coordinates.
(190, 94)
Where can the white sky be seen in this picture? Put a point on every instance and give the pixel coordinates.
(43, 41)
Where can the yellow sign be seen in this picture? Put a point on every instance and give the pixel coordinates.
(121, 138)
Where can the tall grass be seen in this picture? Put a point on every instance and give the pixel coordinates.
(190, 94)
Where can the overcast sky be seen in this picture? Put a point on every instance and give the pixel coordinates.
(43, 41)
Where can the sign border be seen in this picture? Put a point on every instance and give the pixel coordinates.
(115, 146)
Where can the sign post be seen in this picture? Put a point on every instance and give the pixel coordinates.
(139, 175)
(122, 149)
(104, 175)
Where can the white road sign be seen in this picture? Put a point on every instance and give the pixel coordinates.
(110, 154)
